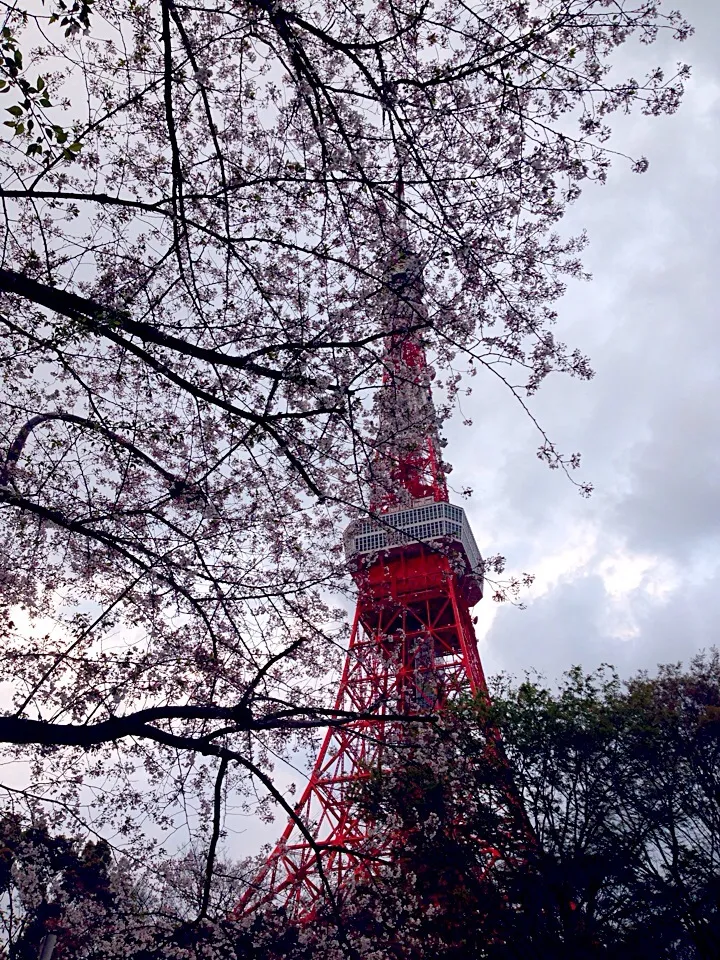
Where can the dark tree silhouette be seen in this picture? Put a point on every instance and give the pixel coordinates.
(621, 786)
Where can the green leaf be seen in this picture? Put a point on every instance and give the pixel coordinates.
(75, 147)
(15, 110)
(40, 83)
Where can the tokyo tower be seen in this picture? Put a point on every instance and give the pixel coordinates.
(412, 647)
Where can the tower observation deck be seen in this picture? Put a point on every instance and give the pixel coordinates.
(412, 647)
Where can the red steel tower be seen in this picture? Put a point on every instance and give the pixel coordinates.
(412, 647)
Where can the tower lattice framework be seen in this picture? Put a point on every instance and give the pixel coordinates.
(412, 648)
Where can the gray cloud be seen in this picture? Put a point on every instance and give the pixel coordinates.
(570, 626)
(648, 425)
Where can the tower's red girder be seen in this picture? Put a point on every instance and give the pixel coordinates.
(412, 649)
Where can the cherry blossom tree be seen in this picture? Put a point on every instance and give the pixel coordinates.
(64, 898)
(200, 205)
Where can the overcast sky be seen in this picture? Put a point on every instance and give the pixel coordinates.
(631, 576)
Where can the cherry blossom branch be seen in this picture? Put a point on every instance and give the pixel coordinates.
(16, 447)
(106, 319)
(140, 724)
(214, 838)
